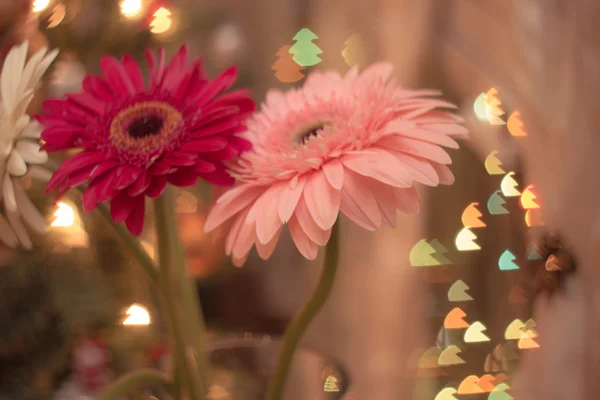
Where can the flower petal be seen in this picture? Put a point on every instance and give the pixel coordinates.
(308, 225)
(407, 200)
(15, 221)
(288, 200)
(416, 147)
(334, 172)
(16, 165)
(28, 211)
(7, 234)
(135, 221)
(446, 176)
(31, 153)
(121, 207)
(307, 247)
(381, 166)
(358, 202)
(322, 200)
(266, 250)
(231, 203)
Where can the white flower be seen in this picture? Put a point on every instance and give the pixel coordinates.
(20, 143)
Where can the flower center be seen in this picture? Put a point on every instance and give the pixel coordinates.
(145, 130)
(148, 125)
(306, 133)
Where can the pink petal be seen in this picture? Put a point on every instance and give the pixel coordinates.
(135, 221)
(446, 176)
(358, 201)
(134, 72)
(381, 166)
(231, 203)
(422, 170)
(183, 177)
(266, 250)
(407, 200)
(116, 76)
(121, 207)
(378, 71)
(307, 247)
(203, 166)
(289, 199)
(334, 172)
(157, 70)
(415, 147)
(174, 73)
(244, 241)
(264, 213)
(238, 221)
(384, 195)
(322, 200)
(396, 127)
(308, 225)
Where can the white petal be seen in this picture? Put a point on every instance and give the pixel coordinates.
(31, 153)
(17, 224)
(41, 69)
(29, 70)
(7, 234)
(11, 75)
(9, 194)
(22, 103)
(16, 164)
(32, 130)
(40, 173)
(29, 212)
(22, 122)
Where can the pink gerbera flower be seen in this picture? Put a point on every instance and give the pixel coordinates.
(355, 144)
(136, 138)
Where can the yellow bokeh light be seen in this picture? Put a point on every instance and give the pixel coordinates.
(162, 21)
(58, 14)
(65, 215)
(137, 315)
(40, 5)
(131, 8)
(509, 186)
(492, 164)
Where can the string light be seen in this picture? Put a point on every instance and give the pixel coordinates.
(40, 5)
(131, 8)
(65, 216)
(138, 315)
(162, 21)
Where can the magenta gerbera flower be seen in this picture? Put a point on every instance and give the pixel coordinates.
(355, 144)
(136, 138)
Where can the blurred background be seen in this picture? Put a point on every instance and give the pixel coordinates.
(436, 308)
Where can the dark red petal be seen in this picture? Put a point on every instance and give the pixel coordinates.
(214, 143)
(183, 154)
(141, 184)
(160, 168)
(183, 177)
(116, 76)
(65, 113)
(219, 177)
(98, 87)
(88, 102)
(175, 72)
(72, 165)
(227, 153)
(157, 187)
(216, 87)
(126, 175)
(213, 129)
(121, 206)
(104, 167)
(77, 178)
(239, 143)
(133, 71)
(193, 83)
(135, 221)
(177, 162)
(203, 167)
(157, 69)
(90, 200)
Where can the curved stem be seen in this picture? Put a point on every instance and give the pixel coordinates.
(139, 379)
(134, 245)
(296, 328)
(167, 235)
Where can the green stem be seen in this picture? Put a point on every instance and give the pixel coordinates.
(167, 236)
(139, 379)
(134, 245)
(296, 328)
